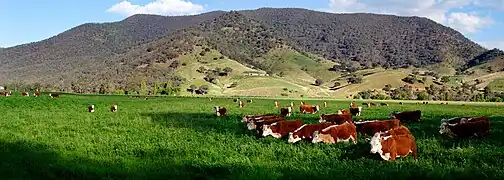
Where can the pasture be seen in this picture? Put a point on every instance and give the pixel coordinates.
(181, 138)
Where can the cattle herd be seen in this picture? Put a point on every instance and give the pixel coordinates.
(389, 138)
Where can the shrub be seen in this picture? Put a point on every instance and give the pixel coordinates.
(119, 92)
(319, 82)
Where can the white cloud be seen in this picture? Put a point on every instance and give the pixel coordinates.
(494, 4)
(440, 11)
(159, 7)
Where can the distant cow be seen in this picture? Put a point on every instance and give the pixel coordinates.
(277, 104)
(249, 101)
(302, 103)
(336, 118)
(309, 109)
(25, 94)
(91, 108)
(235, 100)
(407, 116)
(325, 103)
(281, 128)
(353, 105)
(220, 111)
(292, 104)
(286, 112)
(54, 95)
(4, 94)
(478, 127)
(36, 94)
(252, 125)
(248, 118)
(372, 127)
(306, 131)
(401, 103)
(241, 104)
(383, 104)
(356, 111)
(390, 147)
(113, 108)
(336, 133)
(371, 105)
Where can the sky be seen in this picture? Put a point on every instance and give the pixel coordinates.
(21, 22)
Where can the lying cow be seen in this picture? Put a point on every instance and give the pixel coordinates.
(91, 108)
(309, 109)
(281, 128)
(36, 94)
(113, 108)
(336, 133)
(286, 112)
(478, 127)
(306, 131)
(248, 118)
(257, 124)
(220, 111)
(25, 94)
(407, 116)
(372, 127)
(390, 147)
(336, 118)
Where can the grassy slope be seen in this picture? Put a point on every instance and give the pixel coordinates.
(481, 72)
(180, 138)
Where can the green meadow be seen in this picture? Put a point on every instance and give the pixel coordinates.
(181, 138)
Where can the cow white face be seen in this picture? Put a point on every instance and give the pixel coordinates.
(316, 137)
(317, 108)
(293, 138)
(245, 119)
(251, 125)
(322, 120)
(376, 146)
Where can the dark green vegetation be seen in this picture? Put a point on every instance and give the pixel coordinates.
(180, 138)
(125, 52)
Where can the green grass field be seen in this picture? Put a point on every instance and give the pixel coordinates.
(181, 138)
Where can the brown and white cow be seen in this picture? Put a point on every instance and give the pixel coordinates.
(36, 94)
(257, 124)
(390, 147)
(336, 133)
(91, 108)
(309, 109)
(292, 104)
(371, 105)
(286, 112)
(55, 95)
(248, 118)
(356, 111)
(305, 132)
(281, 128)
(477, 127)
(241, 104)
(407, 116)
(325, 103)
(353, 105)
(113, 108)
(220, 111)
(372, 127)
(277, 104)
(336, 118)
(25, 94)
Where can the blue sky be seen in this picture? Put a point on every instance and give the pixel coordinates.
(27, 21)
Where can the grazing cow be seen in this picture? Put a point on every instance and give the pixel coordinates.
(235, 100)
(281, 128)
(401, 103)
(372, 127)
(277, 104)
(325, 103)
(248, 118)
(306, 131)
(249, 101)
(371, 105)
(336, 118)
(113, 108)
(336, 133)
(220, 111)
(241, 104)
(390, 147)
(407, 116)
(356, 111)
(478, 127)
(257, 125)
(55, 95)
(5, 94)
(383, 104)
(286, 112)
(25, 94)
(309, 109)
(91, 108)
(36, 94)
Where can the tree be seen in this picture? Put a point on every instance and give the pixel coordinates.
(354, 80)
(156, 87)
(102, 89)
(336, 84)
(192, 88)
(143, 88)
(210, 78)
(175, 64)
(228, 70)
(387, 87)
(422, 96)
(445, 79)
(319, 82)
(201, 69)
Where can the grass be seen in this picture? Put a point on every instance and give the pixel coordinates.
(180, 138)
(497, 85)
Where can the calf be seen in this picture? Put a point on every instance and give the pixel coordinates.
(286, 112)
(113, 108)
(407, 116)
(257, 117)
(336, 118)
(240, 104)
(25, 94)
(306, 131)
(281, 128)
(36, 94)
(309, 109)
(220, 111)
(336, 133)
(252, 125)
(91, 108)
(356, 111)
(390, 147)
(478, 127)
(372, 127)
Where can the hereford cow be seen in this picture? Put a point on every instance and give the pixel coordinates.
(36, 94)
(407, 116)
(252, 125)
(248, 118)
(241, 104)
(25, 94)
(390, 147)
(91, 108)
(356, 111)
(113, 108)
(336, 118)
(353, 105)
(220, 111)
(478, 127)
(372, 127)
(281, 128)
(336, 133)
(55, 95)
(306, 131)
(371, 105)
(286, 112)
(325, 103)
(309, 109)
(277, 104)
(400, 130)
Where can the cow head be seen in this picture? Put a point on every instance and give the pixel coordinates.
(217, 110)
(251, 125)
(316, 108)
(316, 137)
(245, 119)
(376, 143)
(268, 130)
(293, 138)
(322, 120)
(444, 129)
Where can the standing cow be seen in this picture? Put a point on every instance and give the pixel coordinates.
(286, 112)
(91, 108)
(220, 111)
(309, 109)
(407, 116)
(113, 108)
